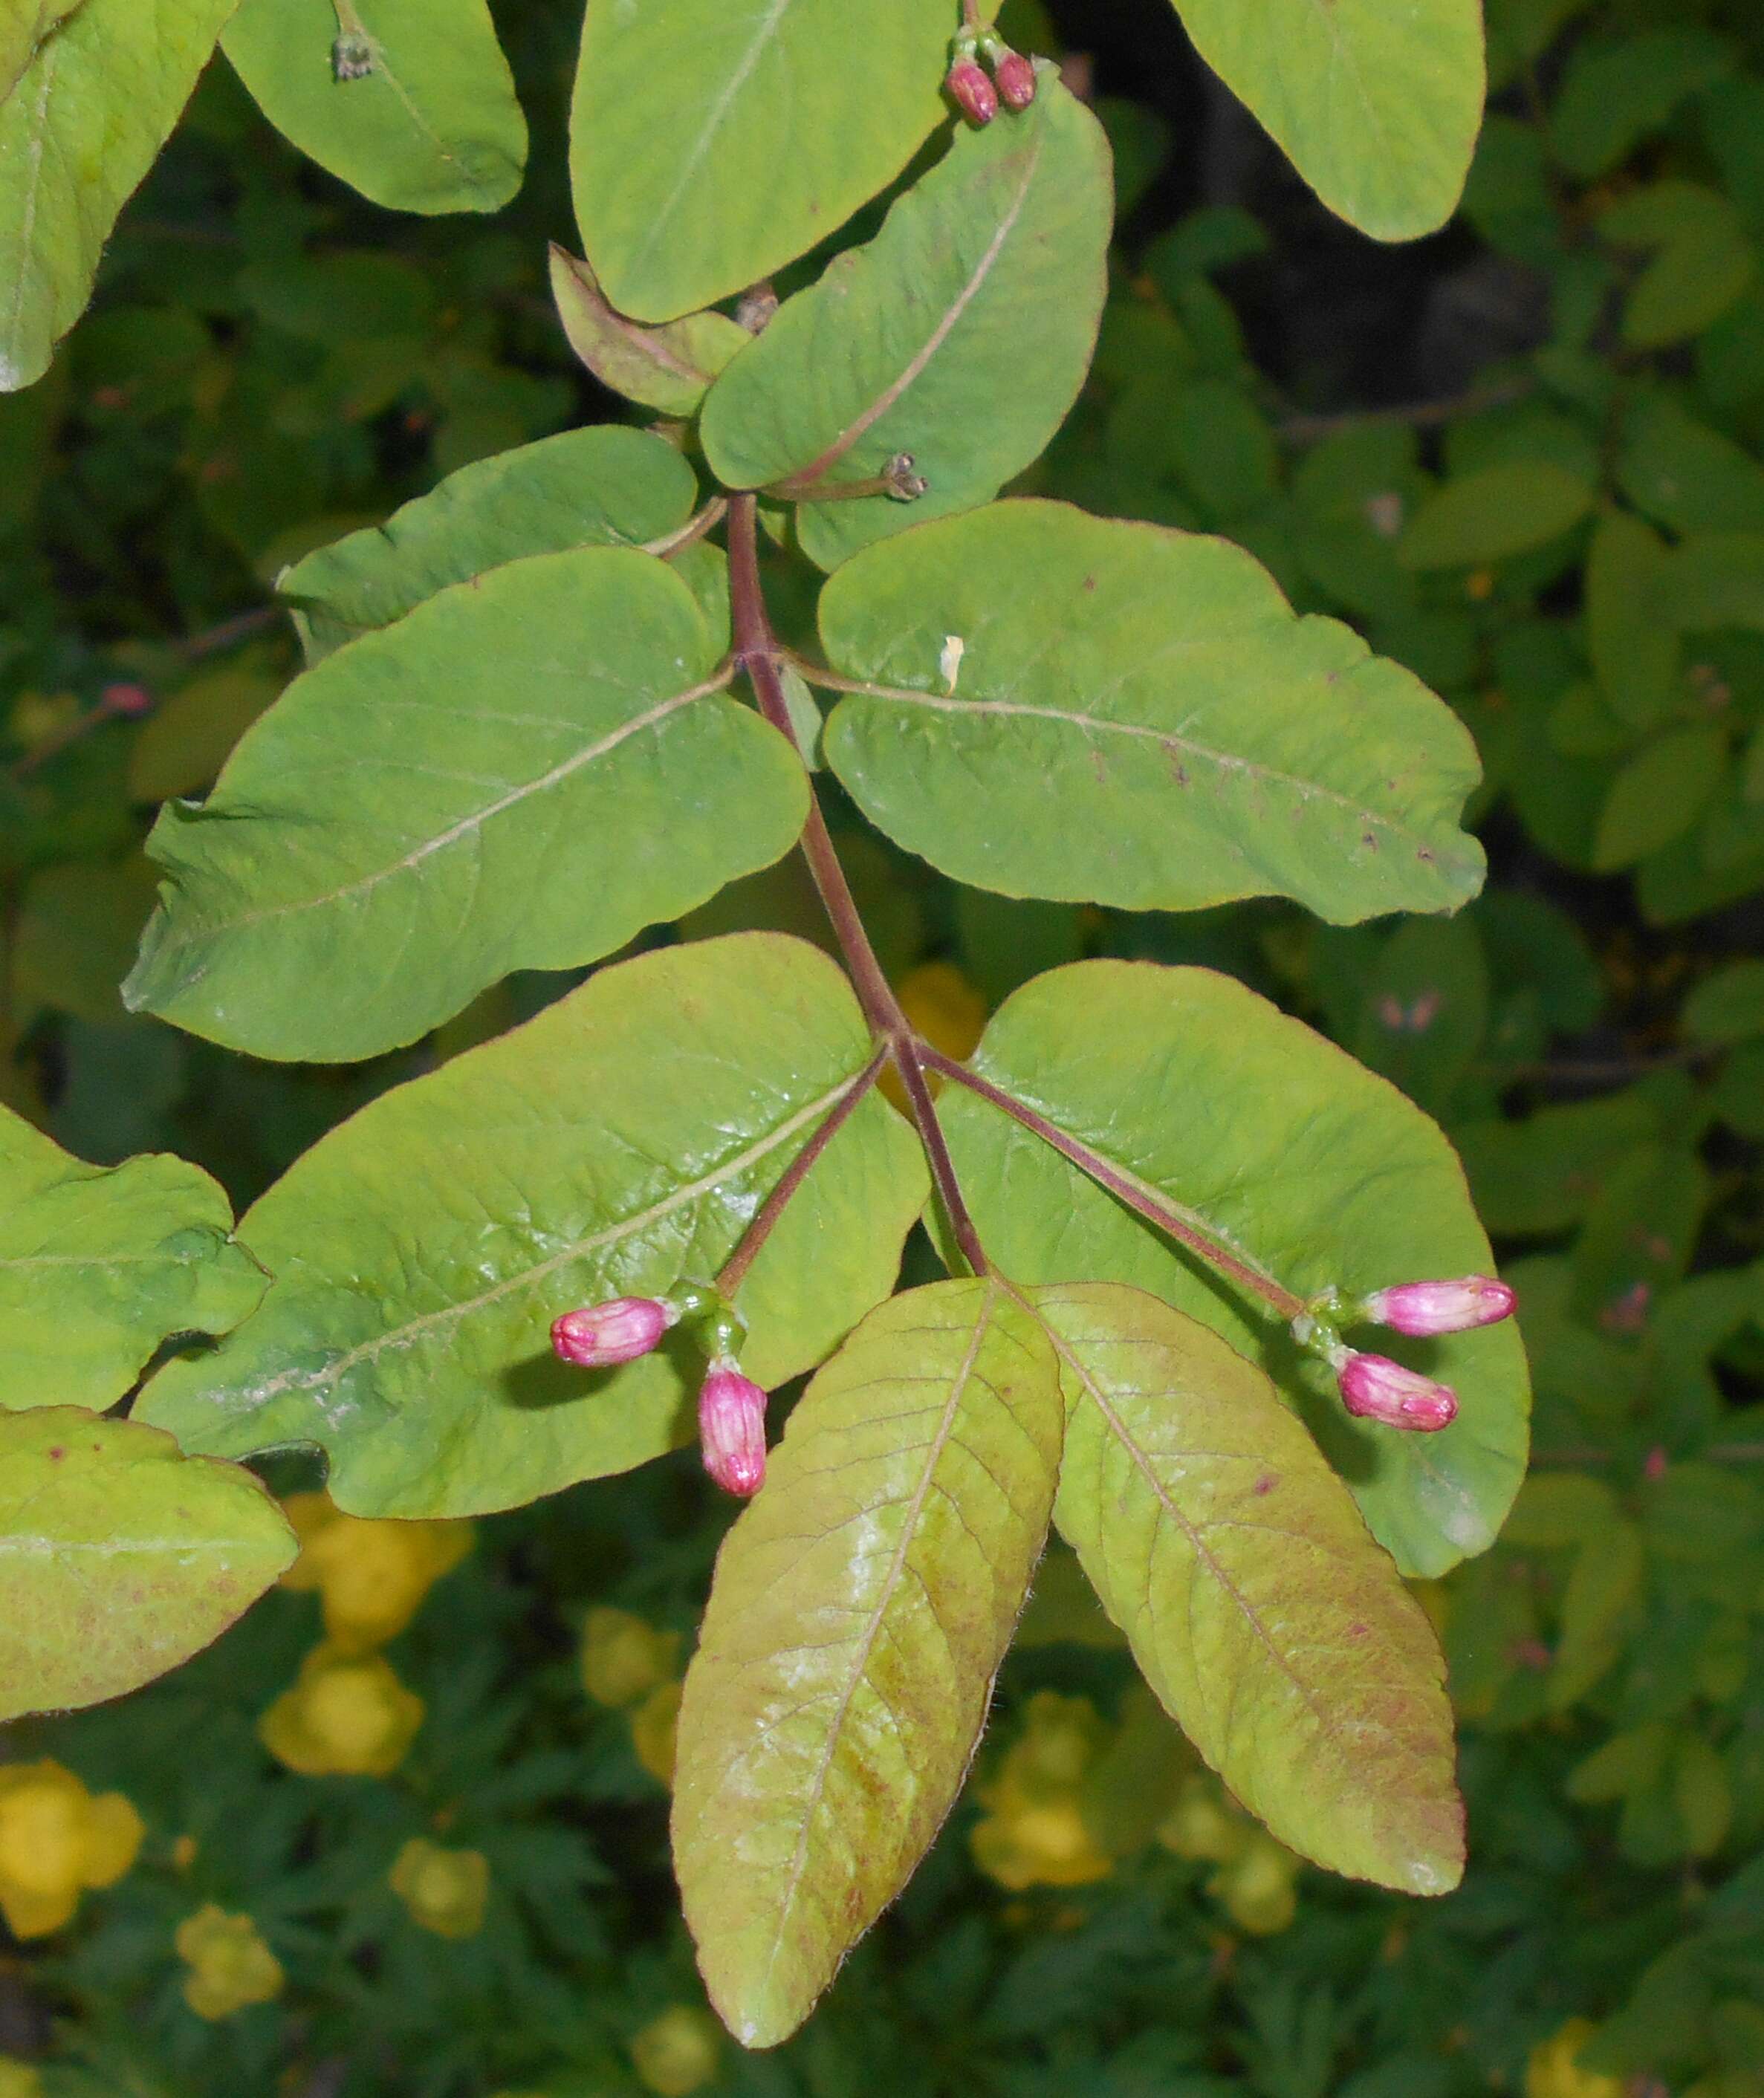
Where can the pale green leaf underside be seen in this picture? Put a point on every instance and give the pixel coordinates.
(712, 141)
(916, 342)
(93, 106)
(1209, 744)
(98, 1267)
(667, 368)
(434, 127)
(860, 1610)
(422, 1250)
(1377, 105)
(606, 486)
(119, 1558)
(1316, 1169)
(493, 783)
(1275, 1632)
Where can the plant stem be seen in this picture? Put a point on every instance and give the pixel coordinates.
(911, 1056)
(754, 1237)
(1134, 1192)
(694, 529)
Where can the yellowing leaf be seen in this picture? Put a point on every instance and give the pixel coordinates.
(861, 1607)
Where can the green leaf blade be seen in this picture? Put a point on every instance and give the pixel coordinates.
(1377, 108)
(423, 1248)
(434, 126)
(119, 1558)
(1272, 1628)
(667, 368)
(1492, 514)
(914, 343)
(1208, 745)
(1301, 1161)
(861, 1607)
(98, 1266)
(399, 826)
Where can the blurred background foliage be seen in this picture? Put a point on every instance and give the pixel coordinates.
(383, 1840)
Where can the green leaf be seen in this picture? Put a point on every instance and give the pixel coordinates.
(709, 145)
(606, 486)
(1207, 744)
(1615, 92)
(1307, 1165)
(1661, 791)
(434, 126)
(98, 1267)
(1274, 1631)
(1490, 515)
(860, 1610)
(914, 343)
(1424, 1014)
(620, 1142)
(76, 935)
(24, 26)
(93, 106)
(119, 1558)
(1634, 652)
(1534, 1178)
(1716, 579)
(1376, 107)
(554, 722)
(1685, 475)
(1728, 1006)
(667, 368)
(1704, 260)
(191, 736)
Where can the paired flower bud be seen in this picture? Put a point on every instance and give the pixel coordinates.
(1374, 1388)
(731, 1429)
(1014, 74)
(1440, 1307)
(968, 88)
(599, 1336)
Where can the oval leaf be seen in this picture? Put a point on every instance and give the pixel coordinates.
(433, 125)
(1487, 516)
(1274, 1631)
(1377, 107)
(860, 1610)
(620, 1141)
(545, 724)
(608, 486)
(710, 144)
(119, 1558)
(914, 344)
(1208, 745)
(95, 102)
(98, 1267)
(1274, 1139)
(667, 368)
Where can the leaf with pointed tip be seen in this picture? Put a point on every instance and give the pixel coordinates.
(1207, 743)
(493, 783)
(98, 1267)
(1276, 1633)
(1304, 1163)
(432, 127)
(96, 100)
(914, 345)
(861, 1607)
(606, 486)
(1377, 107)
(119, 1558)
(709, 144)
(621, 1142)
(667, 367)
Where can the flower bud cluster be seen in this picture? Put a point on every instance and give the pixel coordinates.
(1375, 1388)
(231, 1967)
(445, 1891)
(1012, 82)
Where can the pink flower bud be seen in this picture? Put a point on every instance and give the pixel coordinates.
(1441, 1307)
(599, 1335)
(968, 88)
(731, 1430)
(1015, 75)
(128, 700)
(1374, 1388)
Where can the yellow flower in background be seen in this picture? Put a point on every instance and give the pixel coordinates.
(1202, 1825)
(1035, 1833)
(678, 2053)
(623, 1658)
(445, 1890)
(371, 1576)
(1258, 1889)
(1553, 2072)
(56, 1839)
(18, 2079)
(231, 1967)
(347, 1715)
(654, 1725)
(946, 1009)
